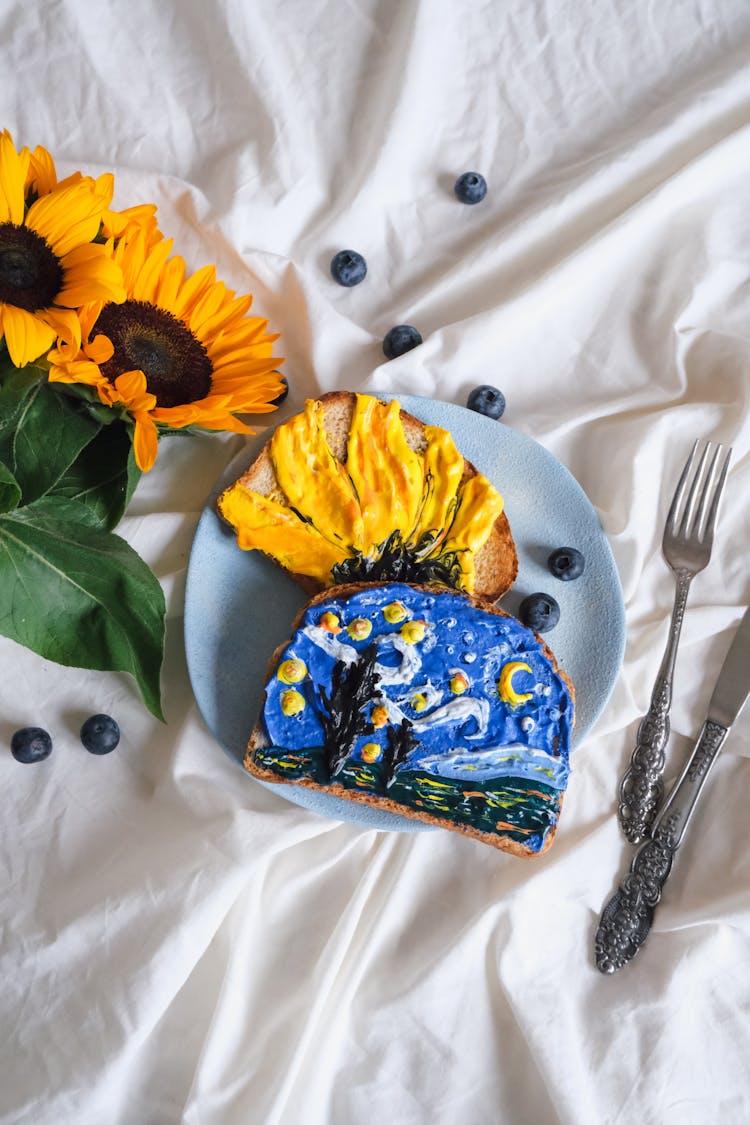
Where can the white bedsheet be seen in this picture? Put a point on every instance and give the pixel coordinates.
(177, 943)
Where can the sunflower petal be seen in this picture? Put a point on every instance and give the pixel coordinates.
(66, 325)
(81, 371)
(13, 168)
(42, 175)
(170, 282)
(241, 373)
(225, 423)
(100, 349)
(26, 335)
(192, 290)
(130, 254)
(225, 319)
(142, 217)
(146, 285)
(145, 441)
(209, 303)
(68, 216)
(132, 386)
(90, 274)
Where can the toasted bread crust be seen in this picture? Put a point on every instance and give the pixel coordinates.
(258, 738)
(495, 564)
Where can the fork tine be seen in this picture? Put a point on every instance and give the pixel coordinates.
(713, 507)
(688, 514)
(697, 528)
(679, 492)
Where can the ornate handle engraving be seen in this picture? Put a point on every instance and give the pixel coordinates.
(642, 785)
(708, 747)
(626, 919)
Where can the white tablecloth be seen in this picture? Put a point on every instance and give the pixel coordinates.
(179, 944)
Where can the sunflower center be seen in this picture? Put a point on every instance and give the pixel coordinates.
(30, 274)
(152, 340)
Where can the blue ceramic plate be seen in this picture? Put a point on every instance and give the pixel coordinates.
(239, 606)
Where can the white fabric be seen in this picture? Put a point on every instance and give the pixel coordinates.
(180, 945)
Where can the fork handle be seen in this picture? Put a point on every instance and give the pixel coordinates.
(626, 919)
(642, 785)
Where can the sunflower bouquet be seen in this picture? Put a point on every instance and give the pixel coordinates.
(106, 344)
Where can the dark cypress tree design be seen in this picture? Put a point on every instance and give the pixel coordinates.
(342, 711)
(397, 562)
(401, 742)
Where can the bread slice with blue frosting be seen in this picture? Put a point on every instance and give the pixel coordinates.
(425, 702)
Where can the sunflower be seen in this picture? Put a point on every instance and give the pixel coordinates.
(49, 263)
(179, 351)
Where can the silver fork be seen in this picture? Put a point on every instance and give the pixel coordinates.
(686, 546)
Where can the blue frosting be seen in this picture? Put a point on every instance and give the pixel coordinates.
(473, 736)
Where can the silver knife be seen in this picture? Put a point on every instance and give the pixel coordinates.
(626, 919)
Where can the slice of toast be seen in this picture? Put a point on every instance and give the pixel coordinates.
(495, 563)
(402, 697)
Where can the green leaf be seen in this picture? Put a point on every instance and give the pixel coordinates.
(10, 493)
(48, 431)
(103, 476)
(80, 596)
(16, 384)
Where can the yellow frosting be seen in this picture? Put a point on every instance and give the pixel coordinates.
(413, 632)
(292, 671)
(479, 505)
(359, 628)
(505, 683)
(443, 469)
(313, 480)
(327, 512)
(292, 702)
(271, 527)
(379, 716)
(387, 474)
(394, 612)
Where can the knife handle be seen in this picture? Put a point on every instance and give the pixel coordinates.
(683, 796)
(626, 919)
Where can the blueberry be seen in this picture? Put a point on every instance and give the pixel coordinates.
(31, 744)
(566, 563)
(540, 612)
(487, 400)
(471, 187)
(282, 395)
(100, 734)
(348, 268)
(401, 339)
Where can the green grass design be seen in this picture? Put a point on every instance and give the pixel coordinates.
(519, 808)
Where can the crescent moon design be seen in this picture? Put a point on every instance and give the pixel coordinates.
(505, 684)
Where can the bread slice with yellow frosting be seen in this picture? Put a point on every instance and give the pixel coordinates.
(354, 488)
